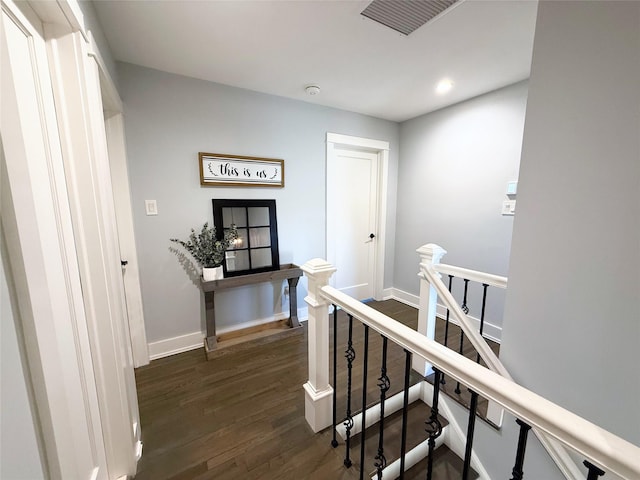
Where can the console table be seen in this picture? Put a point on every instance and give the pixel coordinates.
(289, 272)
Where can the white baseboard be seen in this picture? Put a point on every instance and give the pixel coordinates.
(191, 341)
(491, 331)
(171, 346)
(387, 294)
(405, 297)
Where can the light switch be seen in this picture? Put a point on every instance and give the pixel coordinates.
(151, 207)
(509, 207)
(512, 188)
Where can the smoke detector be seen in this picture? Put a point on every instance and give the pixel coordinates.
(312, 90)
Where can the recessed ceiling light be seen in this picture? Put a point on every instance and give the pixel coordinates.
(444, 86)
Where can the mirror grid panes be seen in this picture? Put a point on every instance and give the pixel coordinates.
(237, 216)
(258, 216)
(261, 257)
(256, 248)
(260, 237)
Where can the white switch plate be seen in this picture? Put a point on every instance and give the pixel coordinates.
(151, 207)
(509, 207)
(512, 188)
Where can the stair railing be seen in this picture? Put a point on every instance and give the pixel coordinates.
(603, 451)
(432, 287)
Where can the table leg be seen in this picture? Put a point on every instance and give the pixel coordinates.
(210, 315)
(293, 302)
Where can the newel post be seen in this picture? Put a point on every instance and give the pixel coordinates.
(318, 393)
(430, 254)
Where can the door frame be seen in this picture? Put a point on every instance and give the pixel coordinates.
(116, 147)
(36, 223)
(78, 87)
(381, 149)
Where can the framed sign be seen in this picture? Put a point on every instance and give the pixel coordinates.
(221, 170)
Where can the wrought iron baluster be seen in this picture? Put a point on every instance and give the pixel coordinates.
(517, 472)
(446, 326)
(484, 304)
(350, 355)
(365, 360)
(446, 322)
(594, 472)
(473, 407)
(434, 427)
(383, 384)
(334, 441)
(405, 407)
(465, 309)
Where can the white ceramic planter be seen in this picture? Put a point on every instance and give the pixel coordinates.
(210, 274)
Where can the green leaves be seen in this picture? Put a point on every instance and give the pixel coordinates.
(205, 248)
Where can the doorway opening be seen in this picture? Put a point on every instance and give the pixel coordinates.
(357, 173)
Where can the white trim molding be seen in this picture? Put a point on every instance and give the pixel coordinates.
(491, 331)
(358, 142)
(174, 345)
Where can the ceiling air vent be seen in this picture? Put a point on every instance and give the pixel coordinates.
(405, 16)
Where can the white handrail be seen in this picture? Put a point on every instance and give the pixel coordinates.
(473, 275)
(479, 343)
(557, 453)
(599, 446)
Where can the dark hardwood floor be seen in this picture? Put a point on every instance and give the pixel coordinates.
(241, 415)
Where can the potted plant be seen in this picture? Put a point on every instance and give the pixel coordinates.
(207, 250)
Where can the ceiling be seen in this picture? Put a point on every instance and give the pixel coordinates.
(279, 47)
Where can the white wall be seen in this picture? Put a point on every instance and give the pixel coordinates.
(575, 265)
(19, 451)
(168, 120)
(452, 178)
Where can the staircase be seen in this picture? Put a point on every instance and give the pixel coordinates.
(382, 354)
(446, 463)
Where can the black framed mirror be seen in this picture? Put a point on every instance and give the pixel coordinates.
(256, 248)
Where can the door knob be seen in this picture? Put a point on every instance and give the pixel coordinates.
(123, 263)
(372, 236)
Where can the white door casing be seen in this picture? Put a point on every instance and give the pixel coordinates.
(356, 208)
(114, 127)
(37, 225)
(76, 86)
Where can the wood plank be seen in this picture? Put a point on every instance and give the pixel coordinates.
(243, 332)
(286, 271)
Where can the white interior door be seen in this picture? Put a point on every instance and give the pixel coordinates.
(77, 88)
(352, 217)
(37, 223)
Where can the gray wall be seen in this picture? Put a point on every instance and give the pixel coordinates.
(452, 179)
(168, 120)
(19, 451)
(572, 316)
(575, 268)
